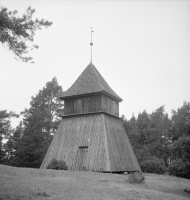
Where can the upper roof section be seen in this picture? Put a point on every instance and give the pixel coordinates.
(89, 82)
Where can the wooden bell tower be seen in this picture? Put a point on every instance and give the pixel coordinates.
(91, 135)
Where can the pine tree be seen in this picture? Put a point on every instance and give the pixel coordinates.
(181, 121)
(160, 142)
(12, 145)
(180, 147)
(149, 137)
(18, 32)
(40, 124)
(5, 129)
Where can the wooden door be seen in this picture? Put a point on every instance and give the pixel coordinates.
(83, 151)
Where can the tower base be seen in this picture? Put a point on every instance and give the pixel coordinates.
(92, 142)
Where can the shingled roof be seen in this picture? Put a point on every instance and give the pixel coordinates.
(90, 81)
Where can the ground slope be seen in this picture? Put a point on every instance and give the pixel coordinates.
(37, 184)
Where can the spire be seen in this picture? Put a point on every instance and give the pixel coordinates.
(91, 44)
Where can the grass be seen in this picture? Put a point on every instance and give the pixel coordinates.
(40, 184)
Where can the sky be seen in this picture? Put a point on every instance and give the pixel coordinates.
(141, 48)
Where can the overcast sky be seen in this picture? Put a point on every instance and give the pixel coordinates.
(141, 48)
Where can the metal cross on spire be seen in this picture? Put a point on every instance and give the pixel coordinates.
(91, 44)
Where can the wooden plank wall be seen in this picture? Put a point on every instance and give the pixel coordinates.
(83, 105)
(121, 154)
(93, 142)
(93, 103)
(76, 132)
(110, 106)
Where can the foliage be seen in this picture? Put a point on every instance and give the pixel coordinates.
(180, 156)
(179, 168)
(181, 149)
(153, 165)
(159, 141)
(5, 130)
(181, 121)
(40, 123)
(12, 145)
(57, 164)
(143, 121)
(17, 32)
(136, 177)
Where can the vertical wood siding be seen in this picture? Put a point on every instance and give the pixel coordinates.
(121, 154)
(93, 142)
(110, 106)
(83, 105)
(93, 103)
(76, 132)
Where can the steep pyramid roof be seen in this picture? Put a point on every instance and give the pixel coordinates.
(90, 81)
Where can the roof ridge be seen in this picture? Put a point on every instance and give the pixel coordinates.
(97, 76)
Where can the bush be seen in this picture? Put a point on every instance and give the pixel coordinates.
(57, 164)
(179, 168)
(153, 165)
(136, 177)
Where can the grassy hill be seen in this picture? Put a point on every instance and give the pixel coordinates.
(37, 184)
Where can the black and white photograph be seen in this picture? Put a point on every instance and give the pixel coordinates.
(95, 99)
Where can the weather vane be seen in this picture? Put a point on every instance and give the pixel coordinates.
(91, 43)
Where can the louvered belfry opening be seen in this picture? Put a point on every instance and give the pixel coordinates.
(91, 135)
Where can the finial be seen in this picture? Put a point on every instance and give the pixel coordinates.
(91, 44)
